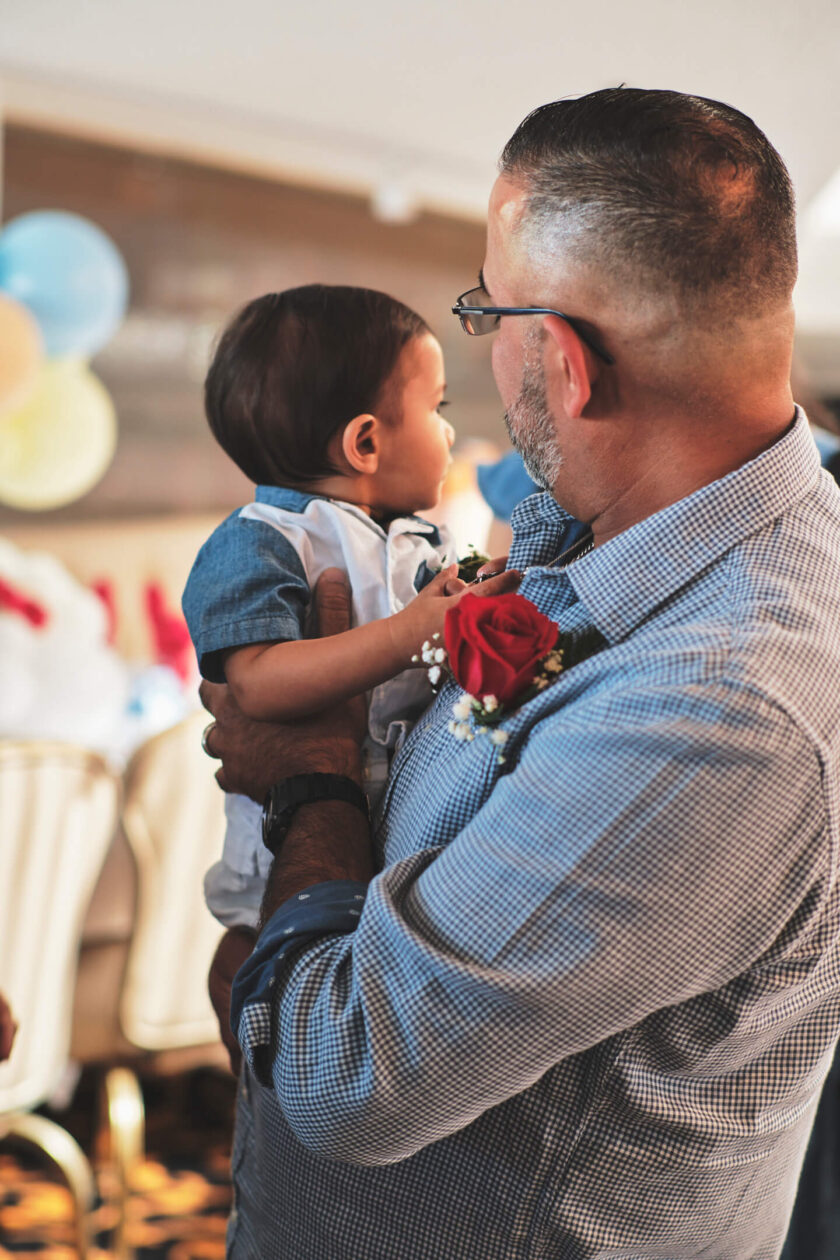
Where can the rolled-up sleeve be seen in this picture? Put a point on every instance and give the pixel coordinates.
(322, 910)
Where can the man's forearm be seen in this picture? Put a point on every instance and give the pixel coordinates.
(327, 840)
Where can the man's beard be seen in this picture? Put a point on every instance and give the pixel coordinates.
(530, 424)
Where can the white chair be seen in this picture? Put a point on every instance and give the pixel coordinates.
(142, 1002)
(58, 811)
(174, 821)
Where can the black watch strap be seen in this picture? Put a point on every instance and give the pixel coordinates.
(303, 789)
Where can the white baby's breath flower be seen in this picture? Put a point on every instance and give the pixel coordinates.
(415, 659)
(499, 737)
(436, 636)
(489, 703)
(433, 674)
(424, 647)
(462, 708)
(440, 655)
(462, 731)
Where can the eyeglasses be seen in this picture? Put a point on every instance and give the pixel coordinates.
(478, 319)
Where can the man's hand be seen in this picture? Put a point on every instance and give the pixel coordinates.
(255, 755)
(234, 947)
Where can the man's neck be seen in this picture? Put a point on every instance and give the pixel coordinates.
(670, 470)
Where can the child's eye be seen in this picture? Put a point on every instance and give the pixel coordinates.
(444, 402)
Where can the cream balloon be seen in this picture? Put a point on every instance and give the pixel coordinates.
(21, 353)
(58, 445)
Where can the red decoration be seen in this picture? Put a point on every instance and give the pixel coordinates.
(103, 588)
(495, 644)
(14, 600)
(170, 635)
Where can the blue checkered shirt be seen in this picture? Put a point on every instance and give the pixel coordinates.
(586, 1008)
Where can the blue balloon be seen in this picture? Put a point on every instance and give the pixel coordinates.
(70, 275)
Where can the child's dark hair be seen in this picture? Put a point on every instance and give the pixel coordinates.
(293, 368)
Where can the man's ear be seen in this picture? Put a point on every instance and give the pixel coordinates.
(570, 363)
(360, 443)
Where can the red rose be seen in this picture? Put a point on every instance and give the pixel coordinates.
(495, 643)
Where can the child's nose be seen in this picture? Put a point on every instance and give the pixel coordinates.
(449, 431)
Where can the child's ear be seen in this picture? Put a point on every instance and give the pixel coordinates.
(360, 444)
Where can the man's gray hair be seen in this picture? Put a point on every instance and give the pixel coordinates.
(668, 192)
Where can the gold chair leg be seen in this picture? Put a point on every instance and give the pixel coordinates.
(64, 1151)
(126, 1122)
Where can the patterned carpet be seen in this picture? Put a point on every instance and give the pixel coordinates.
(179, 1196)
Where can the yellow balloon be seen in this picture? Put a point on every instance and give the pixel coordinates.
(58, 445)
(21, 353)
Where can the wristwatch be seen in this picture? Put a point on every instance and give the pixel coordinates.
(302, 789)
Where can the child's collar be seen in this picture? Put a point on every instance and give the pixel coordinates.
(285, 497)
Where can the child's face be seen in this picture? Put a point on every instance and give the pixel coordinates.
(415, 454)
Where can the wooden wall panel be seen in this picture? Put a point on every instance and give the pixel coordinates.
(198, 243)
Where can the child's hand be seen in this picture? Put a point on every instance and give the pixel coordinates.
(424, 616)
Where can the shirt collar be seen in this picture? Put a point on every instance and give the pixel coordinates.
(283, 497)
(626, 578)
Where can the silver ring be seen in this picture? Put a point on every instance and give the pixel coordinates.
(208, 728)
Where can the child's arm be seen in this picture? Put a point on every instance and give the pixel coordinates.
(279, 681)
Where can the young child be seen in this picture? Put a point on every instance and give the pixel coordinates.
(329, 398)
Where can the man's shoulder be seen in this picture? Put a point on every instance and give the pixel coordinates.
(783, 590)
(756, 632)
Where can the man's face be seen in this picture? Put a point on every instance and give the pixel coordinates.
(518, 344)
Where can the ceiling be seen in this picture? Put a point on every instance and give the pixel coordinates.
(411, 103)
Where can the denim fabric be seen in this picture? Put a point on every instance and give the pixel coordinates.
(247, 586)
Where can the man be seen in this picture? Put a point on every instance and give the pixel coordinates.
(586, 1006)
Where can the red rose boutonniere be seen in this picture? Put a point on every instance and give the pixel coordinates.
(502, 651)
